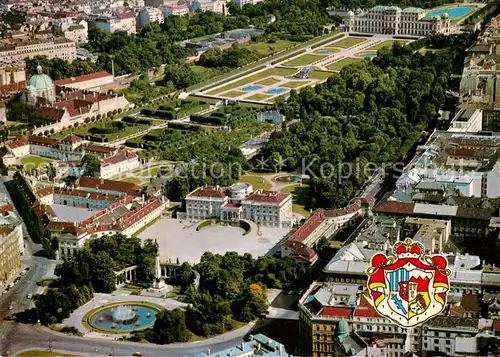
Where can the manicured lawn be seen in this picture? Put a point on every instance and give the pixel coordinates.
(151, 171)
(258, 183)
(347, 42)
(337, 66)
(299, 198)
(130, 179)
(205, 99)
(335, 244)
(321, 75)
(34, 161)
(83, 130)
(304, 60)
(388, 43)
(233, 94)
(267, 49)
(258, 96)
(268, 82)
(294, 84)
(254, 78)
(36, 353)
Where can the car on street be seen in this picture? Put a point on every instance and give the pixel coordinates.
(29, 296)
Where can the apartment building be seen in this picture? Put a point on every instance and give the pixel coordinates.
(149, 14)
(115, 22)
(11, 248)
(59, 48)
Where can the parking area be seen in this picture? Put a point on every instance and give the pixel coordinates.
(179, 240)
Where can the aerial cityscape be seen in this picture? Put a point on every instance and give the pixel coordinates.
(244, 178)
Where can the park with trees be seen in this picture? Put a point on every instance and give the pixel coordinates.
(231, 291)
(371, 112)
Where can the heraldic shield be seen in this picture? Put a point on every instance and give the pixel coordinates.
(410, 287)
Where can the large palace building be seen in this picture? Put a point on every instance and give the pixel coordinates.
(392, 20)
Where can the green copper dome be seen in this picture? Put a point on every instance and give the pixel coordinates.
(342, 328)
(40, 81)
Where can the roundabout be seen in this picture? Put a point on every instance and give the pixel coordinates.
(122, 317)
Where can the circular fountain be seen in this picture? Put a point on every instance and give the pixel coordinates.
(123, 317)
(124, 314)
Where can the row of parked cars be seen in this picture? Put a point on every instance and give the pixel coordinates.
(16, 280)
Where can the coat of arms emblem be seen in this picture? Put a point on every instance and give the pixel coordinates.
(409, 287)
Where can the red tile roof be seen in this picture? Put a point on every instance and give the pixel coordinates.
(17, 143)
(109, 185)
(343, 312)
(40, 140)
(208, 192)
(394, 207)
(12, 88)
(231, 205)
(352, 208)
(51, 113)
(125, 15)
(81, 193)
(496, 325)
(44, 192)
(83, 78)
(268, 196)
(132, 217)
(115, 159)
(101, 149)
(301, 251)
(305, 230)
(71, 139)
(365, 309)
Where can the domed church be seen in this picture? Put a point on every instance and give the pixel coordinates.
(40, 89)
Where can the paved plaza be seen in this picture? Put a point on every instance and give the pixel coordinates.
(103, 299)
(180, 240)
(72, 214)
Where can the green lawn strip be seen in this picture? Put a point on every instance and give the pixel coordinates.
(204, 99)
(34, 161)
(83, 130)
(174, 293)
(267, 49)
(233, 94)
(257, 182)
(299, 198)
(258, 96)
(388, 43)
(304, 60)
(335, 244)
(254, 78)
(347, 42)
(268, 82)
(337, 66)
(321, 75)
(130, 179)
(150, 171)
(294, 84)
(37, 353)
